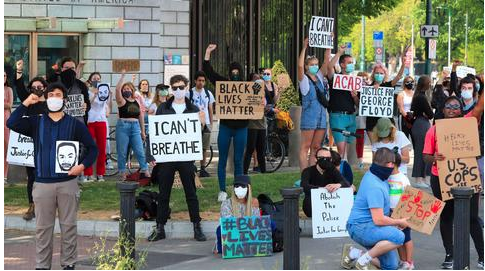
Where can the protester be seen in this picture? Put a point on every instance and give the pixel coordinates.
(161, 96)
(370, 224)
(404, 99)
(7, 108)
(323, 174)
(130, 128)
(179, 104)
(147, 99)
(313, 87)
(360, 127)
(54, 192)
(422, 113)
(237, 130)
(431, 154)
(204, 100)
(240, 204)
(468, 92)
(343, 167)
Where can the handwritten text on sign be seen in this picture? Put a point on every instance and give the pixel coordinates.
(175, 137)
(248, 236)
(239, 100)
(422, 209)
(347, 82)
(330, 212)
(320, 34)
(458, 137)
(20, 150)
(75, 105)
(458, 172)
(376, 102)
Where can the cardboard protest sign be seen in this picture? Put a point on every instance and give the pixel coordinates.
(347, 82)
(422, 209)
(376, 102)
(458, 137)
(171, 70)
(321, 32)
(130, 65)
(330, 212)
(239, 100)
(458, 172)
(248, 236)
(462, 71)
(67, 155)
(175, 137)
(20, 150)
(75, 105)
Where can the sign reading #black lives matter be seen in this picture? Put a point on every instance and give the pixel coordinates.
(248, 236)
(20, 150)
(330, 212)
(75, 105)
(376, 102)
(239, 100)
(175, 137)
(321, 32)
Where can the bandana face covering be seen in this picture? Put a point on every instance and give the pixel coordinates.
(381, 172)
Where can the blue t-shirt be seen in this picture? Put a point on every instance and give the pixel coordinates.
(373, 193)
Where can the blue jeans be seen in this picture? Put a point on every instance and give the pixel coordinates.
(240, 137)
(368, 234)
(128, 133)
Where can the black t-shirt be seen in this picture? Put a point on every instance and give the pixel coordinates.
(340, 100)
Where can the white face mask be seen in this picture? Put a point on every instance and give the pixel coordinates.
(241, 192)
(55, 104)
(179, 94)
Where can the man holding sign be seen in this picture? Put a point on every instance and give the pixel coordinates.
(178, 104)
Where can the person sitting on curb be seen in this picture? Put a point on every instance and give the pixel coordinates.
(240, 204)
(369, 223)
(178, 104)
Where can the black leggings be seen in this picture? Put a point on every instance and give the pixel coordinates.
(30, 182)
(256, 140)
(446, 220)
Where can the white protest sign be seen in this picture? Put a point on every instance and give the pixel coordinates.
(175, 137)
(74, 105)
(347, 82)
(20, 150)
(330, 212)
(320, 34)
(462, 71)
(67, 155)
(171, 70)
(376, 102)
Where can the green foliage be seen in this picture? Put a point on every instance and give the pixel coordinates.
(289, 96)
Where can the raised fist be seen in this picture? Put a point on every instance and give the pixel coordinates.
(256, 88)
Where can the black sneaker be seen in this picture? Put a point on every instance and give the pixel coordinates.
(203, 173)
(448, 262)
(69, 267)
(158, 233)
(480, 264)
(256, 169)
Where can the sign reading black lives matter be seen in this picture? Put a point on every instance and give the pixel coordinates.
(175, 137)
(248, 236)
(330, 212)
(20, 150)
(376, 102)
(67, 155)
(74, 105)
(239, 100)
(321, 32)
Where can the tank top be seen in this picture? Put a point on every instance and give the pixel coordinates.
(129, 110)
(407, 102)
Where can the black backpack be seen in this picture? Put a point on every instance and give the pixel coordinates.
(276, 212)
(191, 95)
(147, 203)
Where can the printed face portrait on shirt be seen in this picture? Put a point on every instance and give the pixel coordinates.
(66, 155)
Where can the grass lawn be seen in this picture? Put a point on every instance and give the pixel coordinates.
(105, 197)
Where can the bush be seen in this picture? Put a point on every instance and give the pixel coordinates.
(289, 96)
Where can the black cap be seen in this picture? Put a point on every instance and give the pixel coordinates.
(242, 180)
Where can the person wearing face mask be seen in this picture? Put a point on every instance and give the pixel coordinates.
(314, 96)
(467, 91)
(146, 98)
(237, 130)
(404, 99)
(130, 128)
(370, 224)
(54, 192)
(323, 174)
(431, 154)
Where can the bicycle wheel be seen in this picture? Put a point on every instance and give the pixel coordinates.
(209, 159)
(111, 157)
(275, 153)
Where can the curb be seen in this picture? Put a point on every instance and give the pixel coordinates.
(173, 229)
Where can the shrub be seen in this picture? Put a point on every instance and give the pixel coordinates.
(289, 96)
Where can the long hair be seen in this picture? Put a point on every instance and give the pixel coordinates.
(131, 86)
(423, 87)
(386, 73)
(391, 136)
(235, 204)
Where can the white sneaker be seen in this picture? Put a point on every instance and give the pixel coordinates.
(420, 185)
(222, 196)
(100, 178)
(90, 179)
(406, 266)
(109, 164)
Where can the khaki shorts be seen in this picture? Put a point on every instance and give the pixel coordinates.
(206, 137)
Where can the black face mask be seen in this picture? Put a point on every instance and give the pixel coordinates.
(68, 77)
(325, 163)
(381, 172)
(409, 85)
(127, 94)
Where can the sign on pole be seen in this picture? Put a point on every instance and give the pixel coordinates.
(175, 137)
(248, 236)
(20, 150)
(171, 70)
(321, 32)
(458, 172)
(378, 37)
(458, 137)
(376, 102)
(239, 100)
(379, 52)
(330, 212)
(429, 31)
(432, 49)
(348, 48)
(347, 82)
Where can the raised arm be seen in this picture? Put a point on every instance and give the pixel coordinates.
(301, 60)
(207, 67)
(335, 58)
(119, 96)
(401, 70)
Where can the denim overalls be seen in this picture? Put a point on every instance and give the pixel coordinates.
(313, 114)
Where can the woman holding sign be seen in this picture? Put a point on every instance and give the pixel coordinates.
(7, 107)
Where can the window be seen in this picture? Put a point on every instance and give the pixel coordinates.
(51, 48)
(16, 47)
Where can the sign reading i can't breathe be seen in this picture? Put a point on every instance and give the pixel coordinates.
(458, 172)
(175, 137)
(75, 105)
(239, 100)
(248, 236)
(321, 32)
(330, 212)
(376, 102)
(20, 150)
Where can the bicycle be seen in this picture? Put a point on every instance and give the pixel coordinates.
(275, 148)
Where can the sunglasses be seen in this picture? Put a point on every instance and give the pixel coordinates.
(40, 88)
(266, 73)
(324, 158)
(178, 87)
(452, 106)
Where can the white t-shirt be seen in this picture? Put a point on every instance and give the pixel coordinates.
(305, 83)
(397, 183)
(401, 141)
(179, 108)
(203, 102)
(153, 107)
(97, 113)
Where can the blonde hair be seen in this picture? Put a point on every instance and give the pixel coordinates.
(391, 137)
(386, 73)
(235, 203)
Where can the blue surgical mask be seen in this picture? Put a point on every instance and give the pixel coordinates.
(349, 68)
(467, 94)
(267, 78)
(313, 69)
(379, 77)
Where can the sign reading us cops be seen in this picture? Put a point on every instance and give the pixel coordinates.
(330, 212)
(376, 102)
(321, 32)
(175, 137)
(20, 150)
(458, 172)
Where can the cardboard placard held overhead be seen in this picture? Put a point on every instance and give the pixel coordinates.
(74, 105)
(239, 100)
(376, 102)
(321, 32)
(330, 212)
(422, 209)
(462, 71)
(458, 137)
(347, 82)
(20, 150)
(458, 172)
(130, 65)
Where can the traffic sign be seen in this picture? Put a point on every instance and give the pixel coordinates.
(429, 31)
(378, 35)
(432, 49)
(379, 54)
(348, 48)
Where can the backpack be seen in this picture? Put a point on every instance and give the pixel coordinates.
(191, 95)
(276, 212)
(147, 203)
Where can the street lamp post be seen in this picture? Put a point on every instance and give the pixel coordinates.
(427, 68)
(362, 46)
